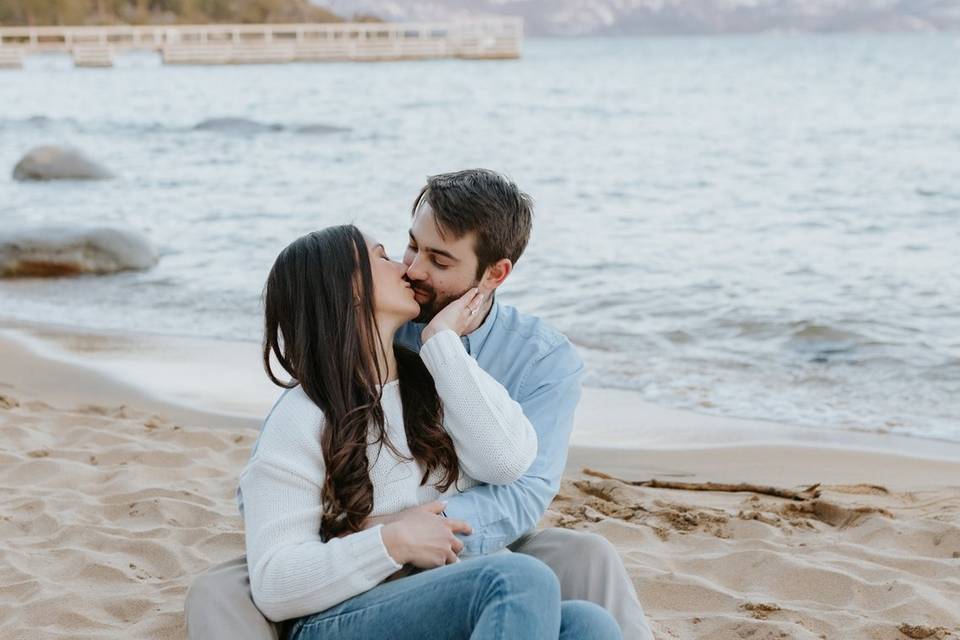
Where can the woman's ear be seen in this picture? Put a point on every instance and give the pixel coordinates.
(355, 289)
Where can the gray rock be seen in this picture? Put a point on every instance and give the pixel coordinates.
(319, 129)
(58, 163)
(236, 125)
(62, 251)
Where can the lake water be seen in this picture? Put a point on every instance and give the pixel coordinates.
(763, 226)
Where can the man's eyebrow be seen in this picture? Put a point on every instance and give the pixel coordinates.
(439, 252)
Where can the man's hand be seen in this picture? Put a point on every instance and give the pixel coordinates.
(458, 315)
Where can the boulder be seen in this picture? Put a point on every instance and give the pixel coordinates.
(62, 251)
(241, 126)
(58, 163)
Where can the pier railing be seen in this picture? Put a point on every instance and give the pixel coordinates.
(488, 38)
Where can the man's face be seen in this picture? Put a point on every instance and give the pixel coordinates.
(440, 269)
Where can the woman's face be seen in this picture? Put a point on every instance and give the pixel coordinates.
(393, 296)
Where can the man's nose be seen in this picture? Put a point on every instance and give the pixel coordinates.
(414, 272)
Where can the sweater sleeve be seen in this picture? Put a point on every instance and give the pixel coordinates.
(293, 572)
(494, 440)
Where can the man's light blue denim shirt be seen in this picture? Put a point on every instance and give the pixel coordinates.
(541, 370)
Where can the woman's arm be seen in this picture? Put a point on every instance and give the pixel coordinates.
(495, 442)
(293, 572)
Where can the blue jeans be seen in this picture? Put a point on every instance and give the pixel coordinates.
(505, 595)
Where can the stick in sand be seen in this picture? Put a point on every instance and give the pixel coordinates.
(809, 493)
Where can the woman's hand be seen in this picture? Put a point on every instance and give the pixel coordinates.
(422, 537)
(456, 316)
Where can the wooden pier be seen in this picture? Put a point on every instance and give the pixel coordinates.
(488, 38)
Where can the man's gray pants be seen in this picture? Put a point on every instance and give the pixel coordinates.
(219, 605)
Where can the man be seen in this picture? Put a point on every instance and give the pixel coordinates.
(469, 228)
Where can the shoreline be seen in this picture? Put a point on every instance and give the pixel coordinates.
(221, 384)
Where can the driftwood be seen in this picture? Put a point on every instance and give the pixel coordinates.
(813, 491)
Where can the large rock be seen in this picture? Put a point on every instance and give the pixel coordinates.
(61, 251)
(58, 163)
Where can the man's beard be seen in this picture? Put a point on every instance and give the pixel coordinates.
(434, 303)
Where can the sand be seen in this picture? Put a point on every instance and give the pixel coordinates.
(105, 515)
(113, 498)
(858, 561)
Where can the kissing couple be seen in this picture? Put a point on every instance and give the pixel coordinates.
(397, 483)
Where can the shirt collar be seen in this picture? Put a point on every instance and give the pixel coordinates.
(474, 341)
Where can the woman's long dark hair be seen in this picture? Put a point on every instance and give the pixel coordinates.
(321, 328)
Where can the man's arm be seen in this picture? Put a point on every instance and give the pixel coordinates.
(500, 514)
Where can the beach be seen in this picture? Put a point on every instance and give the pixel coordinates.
(750, 240)
(120, 456)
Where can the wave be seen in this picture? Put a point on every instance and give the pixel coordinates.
(811, 336)
(225, 125)
(245, 126)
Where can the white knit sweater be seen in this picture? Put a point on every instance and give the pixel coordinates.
(292, 572)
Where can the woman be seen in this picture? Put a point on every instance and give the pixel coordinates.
(362, 433)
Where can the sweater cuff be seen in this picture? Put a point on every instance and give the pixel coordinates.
(441, 348)
(374, 561)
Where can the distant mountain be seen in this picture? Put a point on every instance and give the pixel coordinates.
(639, 17)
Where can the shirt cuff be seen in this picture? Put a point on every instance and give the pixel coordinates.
(482, 541)
(441, 348)
(374, 561)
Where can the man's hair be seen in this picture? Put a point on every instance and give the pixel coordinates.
(486, 203)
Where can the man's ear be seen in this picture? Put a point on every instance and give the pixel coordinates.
(495, 274)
